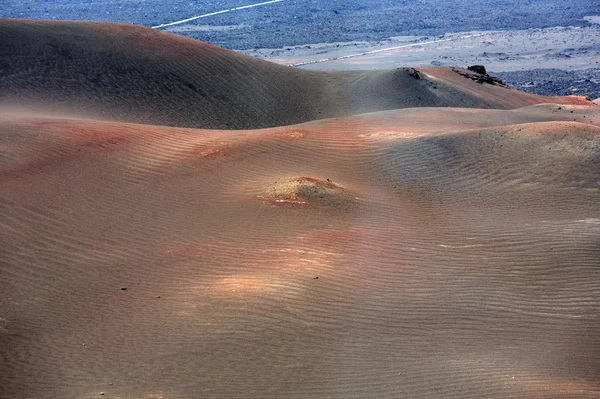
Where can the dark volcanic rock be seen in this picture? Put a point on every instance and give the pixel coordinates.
(480, 69)
(470, 73)
(413, 73)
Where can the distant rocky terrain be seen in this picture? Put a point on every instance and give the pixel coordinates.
(290, 23)
(555, 82)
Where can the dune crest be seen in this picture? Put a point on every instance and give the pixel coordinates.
(134, 74)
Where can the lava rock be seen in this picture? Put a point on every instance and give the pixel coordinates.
(480, 69)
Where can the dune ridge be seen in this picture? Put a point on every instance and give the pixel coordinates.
(136, 74)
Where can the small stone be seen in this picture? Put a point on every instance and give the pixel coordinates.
(316, 278)
(158, 297)
(123, 288)
(102, 393)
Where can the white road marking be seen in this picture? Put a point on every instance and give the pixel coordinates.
(384, 49)
(214, 13)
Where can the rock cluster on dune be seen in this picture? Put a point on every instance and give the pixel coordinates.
(443, 245)
(307, 191)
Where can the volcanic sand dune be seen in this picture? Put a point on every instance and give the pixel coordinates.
(430, 252)
(134, 74)
(418, 252)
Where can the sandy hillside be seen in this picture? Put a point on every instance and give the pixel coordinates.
(438, 252)
(135, 74)
(420, 252)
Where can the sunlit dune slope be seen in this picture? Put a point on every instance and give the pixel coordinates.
(136, 74)
(431, 252)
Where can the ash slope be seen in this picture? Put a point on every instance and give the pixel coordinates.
(134, 74)
(442, 253)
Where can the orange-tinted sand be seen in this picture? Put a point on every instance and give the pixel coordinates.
(410, 253)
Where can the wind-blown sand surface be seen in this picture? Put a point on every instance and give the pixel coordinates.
(418, 252)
